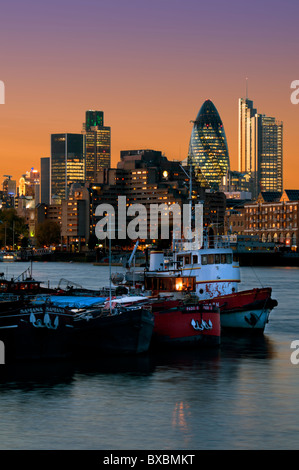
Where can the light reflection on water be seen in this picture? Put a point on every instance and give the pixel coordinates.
(242, 396)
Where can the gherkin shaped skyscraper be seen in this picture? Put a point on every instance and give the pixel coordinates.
(208, 152)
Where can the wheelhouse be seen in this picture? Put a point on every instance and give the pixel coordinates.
(159, 283)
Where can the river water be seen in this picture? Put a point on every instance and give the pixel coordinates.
(243, 396)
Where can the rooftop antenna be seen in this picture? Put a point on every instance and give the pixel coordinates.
(246, 88)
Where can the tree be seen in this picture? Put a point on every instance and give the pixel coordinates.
(47, 233)
(12, 227)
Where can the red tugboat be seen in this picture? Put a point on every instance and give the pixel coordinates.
(177, 323)
(211, 275)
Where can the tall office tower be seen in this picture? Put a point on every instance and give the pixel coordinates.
(246, 136)
(260, 148)
(45, 180)
(208, 152)
(9, 186)
(269, 150)
(97, 144)
(67, 163)
(94, 119)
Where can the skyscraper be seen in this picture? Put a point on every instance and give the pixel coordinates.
(270, 153)
(97, 143)
(260, 148)
(208, 151)
(246, 136)
(67, 163)
(45, 180)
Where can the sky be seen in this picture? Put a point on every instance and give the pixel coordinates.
(149, 65)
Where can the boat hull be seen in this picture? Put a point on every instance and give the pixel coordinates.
(36, 334)
(183, 325)
(49, 332)
(244, 311)
(128, 332)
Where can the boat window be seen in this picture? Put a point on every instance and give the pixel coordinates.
(223, 259)
(195, 259)
(180, 260)
(229, 259)
(217, 259)
(170, 284)
(186, 284)
(187, 259)
(204, 259)
(210, 259)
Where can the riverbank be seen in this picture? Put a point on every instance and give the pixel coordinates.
(250, 258)
(268, 259)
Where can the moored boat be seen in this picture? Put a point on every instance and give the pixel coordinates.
(122, 330)
(36, 333)
(212, 274)
(245, 310)
(23, 285)
(42, 330)
(180, 324)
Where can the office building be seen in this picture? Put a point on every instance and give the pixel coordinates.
(148, 178)
(269, 153)
(97, 143)
(9, 186)
(208, 151)
(67, 163)
(260, 148)
(45, 180)
(247, 164)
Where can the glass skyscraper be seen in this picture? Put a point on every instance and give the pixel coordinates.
(67, 163)
(208, 151)
(260, 148)
(98, 143)
(94, 118)
(270, 174)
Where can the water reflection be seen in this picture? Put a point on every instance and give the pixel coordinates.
(181, 413)
(50, 374)
(250, 346)
(36, 375)
(39, 375)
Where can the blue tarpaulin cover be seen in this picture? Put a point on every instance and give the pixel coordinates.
(74, 301)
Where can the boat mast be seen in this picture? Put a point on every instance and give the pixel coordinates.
(110, 262)
(190, 190)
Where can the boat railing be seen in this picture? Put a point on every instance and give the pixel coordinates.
(217, 241)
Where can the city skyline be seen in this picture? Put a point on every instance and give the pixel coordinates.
(148, 76)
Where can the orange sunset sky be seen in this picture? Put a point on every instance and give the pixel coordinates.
(149, 65)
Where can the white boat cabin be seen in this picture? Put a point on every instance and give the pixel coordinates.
(213, 270)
